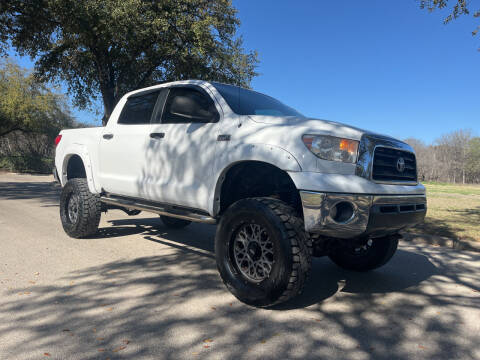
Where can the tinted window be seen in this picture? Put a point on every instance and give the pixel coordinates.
(188, 105)
(138, 109)
(247, 102)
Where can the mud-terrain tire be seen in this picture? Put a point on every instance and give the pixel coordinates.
(372, 255)
(262, 251)
(174, 223)
(80, 210)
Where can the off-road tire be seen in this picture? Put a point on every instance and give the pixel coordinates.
(89, 209)
(378, 254)
(291, 251)
(174, 223)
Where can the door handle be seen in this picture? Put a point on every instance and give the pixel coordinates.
(157, 135)
(107, 136)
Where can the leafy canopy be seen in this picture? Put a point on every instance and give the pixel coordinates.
(27, 105)
(109, 47)
(460, 8)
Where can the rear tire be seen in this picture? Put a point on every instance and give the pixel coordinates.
(174, 223)
(373, 254)
(80, 210)
(262, 251)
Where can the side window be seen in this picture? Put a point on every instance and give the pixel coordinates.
(188, 105)
(138, 109)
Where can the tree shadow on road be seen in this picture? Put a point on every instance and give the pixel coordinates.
(47, 193)
(167, 305)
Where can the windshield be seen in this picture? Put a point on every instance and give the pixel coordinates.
(248, 102)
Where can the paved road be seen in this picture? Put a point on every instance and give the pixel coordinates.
(140, 291)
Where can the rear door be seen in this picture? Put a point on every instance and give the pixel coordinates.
(124, 144)
(181, 162)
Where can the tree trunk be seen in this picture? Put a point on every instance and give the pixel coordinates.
(109, 103)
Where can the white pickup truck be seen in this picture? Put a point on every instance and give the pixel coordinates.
(282, 187)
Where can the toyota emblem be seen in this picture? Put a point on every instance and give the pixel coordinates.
(401, 164)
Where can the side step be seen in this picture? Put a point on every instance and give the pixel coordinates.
(158, 208)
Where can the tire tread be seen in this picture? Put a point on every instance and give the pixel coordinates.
(301, 247)
(91, 210)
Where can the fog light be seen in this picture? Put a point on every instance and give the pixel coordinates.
(342, 212)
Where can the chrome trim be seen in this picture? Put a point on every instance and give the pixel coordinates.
(159, 209)
(354, 213)
(317, 206)
(316, 213)
(366, 152)
(399, 199)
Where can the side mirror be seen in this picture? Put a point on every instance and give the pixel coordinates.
(186, 107)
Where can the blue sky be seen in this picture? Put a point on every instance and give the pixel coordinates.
(381, 65)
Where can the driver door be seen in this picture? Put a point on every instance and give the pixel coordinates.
(180, 162)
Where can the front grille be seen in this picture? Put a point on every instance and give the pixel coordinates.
(388, 164)
(393, 209)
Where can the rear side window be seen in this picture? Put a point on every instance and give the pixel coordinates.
(138, 109)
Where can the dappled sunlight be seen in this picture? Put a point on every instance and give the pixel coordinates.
(175, 299)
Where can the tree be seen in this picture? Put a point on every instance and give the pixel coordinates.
(110, 47)
(455, 145)
(473, 160)
(28, 106)
(31, 115)
(460, 8)
(423, 156)
(454, 156)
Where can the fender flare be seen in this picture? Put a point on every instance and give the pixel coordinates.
(270, 154)
(81, 151)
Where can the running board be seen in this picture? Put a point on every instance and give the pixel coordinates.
(161, 209)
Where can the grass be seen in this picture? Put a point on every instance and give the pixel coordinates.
(436, 187)
(453, 211)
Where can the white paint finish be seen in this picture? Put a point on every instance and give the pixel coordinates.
(234, 155)
(84, 143)
(349, 184)
(287, 134)
(179, 168)
(121, 160)
(324, 127)
(187, 165)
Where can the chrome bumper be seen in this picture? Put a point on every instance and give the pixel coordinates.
(373, 215)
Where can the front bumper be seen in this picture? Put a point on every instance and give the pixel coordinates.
(372, 215)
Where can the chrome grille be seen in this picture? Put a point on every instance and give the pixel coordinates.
(393, 165)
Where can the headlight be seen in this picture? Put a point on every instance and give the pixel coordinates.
(332, 148)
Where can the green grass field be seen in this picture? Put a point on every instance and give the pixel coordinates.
(453, 211)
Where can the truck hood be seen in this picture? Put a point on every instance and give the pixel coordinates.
(312, 125)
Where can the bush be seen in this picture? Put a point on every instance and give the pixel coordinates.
(27, 163)
(21, 152)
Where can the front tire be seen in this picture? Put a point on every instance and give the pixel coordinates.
(80, 210)
(370, 255)
(262, 251)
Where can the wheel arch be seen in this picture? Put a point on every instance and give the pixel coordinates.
(77, 164)
(233, 184)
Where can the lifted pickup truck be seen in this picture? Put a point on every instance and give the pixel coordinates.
(282, 187)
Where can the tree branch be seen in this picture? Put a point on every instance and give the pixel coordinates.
(15, 129)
